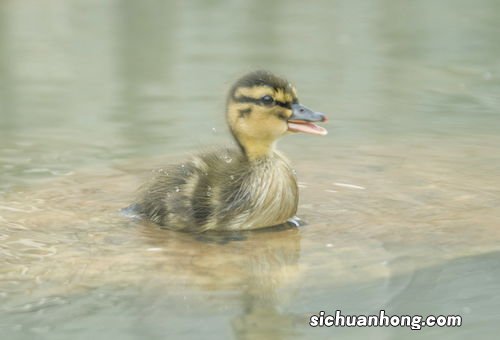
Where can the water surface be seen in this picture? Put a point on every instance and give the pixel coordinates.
(400, 198)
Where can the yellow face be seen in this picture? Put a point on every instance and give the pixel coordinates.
(261, 108)
(259, 113)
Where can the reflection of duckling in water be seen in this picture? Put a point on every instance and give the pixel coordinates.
(250, 187)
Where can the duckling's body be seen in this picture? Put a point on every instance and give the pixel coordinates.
(250, 187)
(223, 190)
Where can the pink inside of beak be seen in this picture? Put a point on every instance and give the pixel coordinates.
(306, 127)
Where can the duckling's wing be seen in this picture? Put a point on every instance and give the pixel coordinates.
(216, 197)
(160, 199)
(193, 195)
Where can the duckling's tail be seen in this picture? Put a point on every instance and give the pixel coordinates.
(133, 211)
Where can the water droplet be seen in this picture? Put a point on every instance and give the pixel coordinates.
(209, 191)
(232, 176)
(227, 159)
(214, 130)
(177, 189)
(182, 165)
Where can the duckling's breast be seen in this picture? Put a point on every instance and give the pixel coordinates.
(267, 195)
(279, 195)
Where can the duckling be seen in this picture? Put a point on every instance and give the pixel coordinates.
(248, 187)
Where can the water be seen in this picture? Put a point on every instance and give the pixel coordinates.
(400, 198)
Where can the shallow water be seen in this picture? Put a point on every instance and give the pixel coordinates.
(400, 198)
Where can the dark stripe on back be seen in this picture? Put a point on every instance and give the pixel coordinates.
(202, 207)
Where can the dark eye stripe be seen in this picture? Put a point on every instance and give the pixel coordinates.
(244, 99)
(283, 104)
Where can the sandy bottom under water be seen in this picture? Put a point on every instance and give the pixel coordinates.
(402, 234)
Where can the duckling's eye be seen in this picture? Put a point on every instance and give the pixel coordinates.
(267, 100)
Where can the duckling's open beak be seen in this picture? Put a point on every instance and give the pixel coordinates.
(302, 118)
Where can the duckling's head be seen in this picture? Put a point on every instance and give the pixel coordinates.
(261, 108)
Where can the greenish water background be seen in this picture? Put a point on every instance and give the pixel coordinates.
(93, 95)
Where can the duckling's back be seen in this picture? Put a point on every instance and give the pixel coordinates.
(221, 190)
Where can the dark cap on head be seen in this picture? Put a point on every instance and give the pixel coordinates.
(260, 78)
